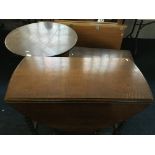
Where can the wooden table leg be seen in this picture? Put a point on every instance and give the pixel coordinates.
(33, 125)
(117, 127)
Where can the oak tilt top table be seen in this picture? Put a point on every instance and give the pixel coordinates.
(78, 93)
(41, 39)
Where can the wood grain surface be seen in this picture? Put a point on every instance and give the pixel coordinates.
(60, 78)
(41, 39)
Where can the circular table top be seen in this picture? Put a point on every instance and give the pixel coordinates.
(41, 39)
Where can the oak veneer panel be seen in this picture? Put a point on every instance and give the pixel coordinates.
(99, 52)
(93, 34)
(79, 116)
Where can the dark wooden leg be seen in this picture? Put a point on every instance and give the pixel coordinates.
(33, 126)
(117, 127)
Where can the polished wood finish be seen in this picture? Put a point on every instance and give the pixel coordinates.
(78, 93)
(76, 78)
(93, 34)
(99, 52)
(41, 39)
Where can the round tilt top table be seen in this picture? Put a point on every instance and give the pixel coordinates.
(41, 39)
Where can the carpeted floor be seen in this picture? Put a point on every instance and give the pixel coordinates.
(12, 122)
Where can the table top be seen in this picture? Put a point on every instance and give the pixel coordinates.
(41, 39)
(99, 52)
(62, 79)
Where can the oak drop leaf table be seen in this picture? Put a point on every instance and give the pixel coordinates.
(78, 93)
